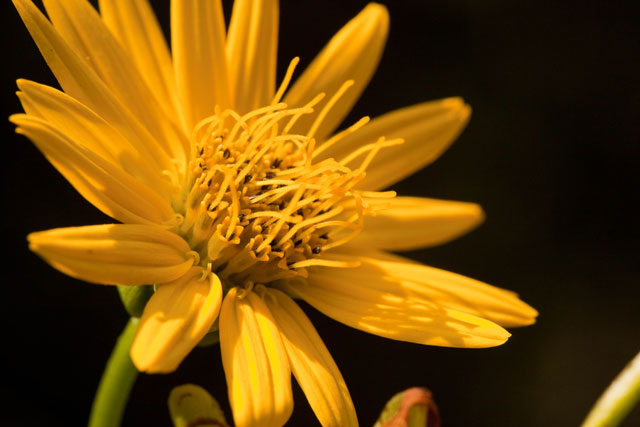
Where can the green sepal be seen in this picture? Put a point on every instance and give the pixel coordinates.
(190, 402)
(134, 298)
(210, 339)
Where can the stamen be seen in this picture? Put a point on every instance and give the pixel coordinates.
(286, 80)
(307, 109)
(376, 146)
(193, 255)
(328, 106)
(290, 208)
(337, 137)
(256, 207)
(326, 263)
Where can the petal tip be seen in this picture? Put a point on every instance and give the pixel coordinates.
(379, 10)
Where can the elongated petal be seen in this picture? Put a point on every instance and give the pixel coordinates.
(436, 287)
(176, 318)
(405, 223)
(119, 254)
(311, 363)
(374, 300)
(252, 44)
(199, 58)
(135, 26)
(352, 54)
(102, 183)
(81, 26)
(83, 126)
(80, 81)
(428, 129)
(255, 362)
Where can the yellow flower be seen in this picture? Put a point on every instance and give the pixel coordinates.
(235, 197)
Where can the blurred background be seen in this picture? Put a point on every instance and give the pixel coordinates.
(551, 153)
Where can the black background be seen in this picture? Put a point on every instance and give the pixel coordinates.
(551, 153)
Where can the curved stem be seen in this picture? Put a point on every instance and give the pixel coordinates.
(117, 380)
(619, 399)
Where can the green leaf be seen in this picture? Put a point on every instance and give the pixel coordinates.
(190, 404)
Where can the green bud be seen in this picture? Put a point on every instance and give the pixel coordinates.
(135, 298)
(190, 404)
(413, 407)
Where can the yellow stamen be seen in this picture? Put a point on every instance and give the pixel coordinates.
(256, 207)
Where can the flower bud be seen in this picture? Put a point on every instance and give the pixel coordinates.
(190, 403)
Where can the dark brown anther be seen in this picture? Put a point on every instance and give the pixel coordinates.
(241, 217)
(276, 163)
(226, 153)
(209, 182)
(247, 178)
(270, 175)
(325, 236)
(297, 242)
(316, 250)
(202, 151)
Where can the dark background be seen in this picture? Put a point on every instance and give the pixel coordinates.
(551, 153)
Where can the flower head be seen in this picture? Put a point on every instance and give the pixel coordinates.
(235, 197)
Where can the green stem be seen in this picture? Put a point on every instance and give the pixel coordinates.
(116, 382)
(619, 399)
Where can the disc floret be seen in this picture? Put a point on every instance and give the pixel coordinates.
(257, 208)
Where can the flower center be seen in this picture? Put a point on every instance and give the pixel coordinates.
(257, 207)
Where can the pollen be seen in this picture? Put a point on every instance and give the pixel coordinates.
(257, 207)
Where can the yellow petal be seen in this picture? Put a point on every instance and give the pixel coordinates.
(80, 25)
(373, 299)
(255, 362)
(83, 126)
(405, 223)
(352, 54)
(80, 81)
(436, 286)
(176, 318)
(135, 26)
(102, 183)
(120, 254)
(501, 306)
(428, 129)
(252, 44)
(311, 363)
(199, 58)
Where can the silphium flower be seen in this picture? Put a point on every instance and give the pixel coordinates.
(235, 197)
